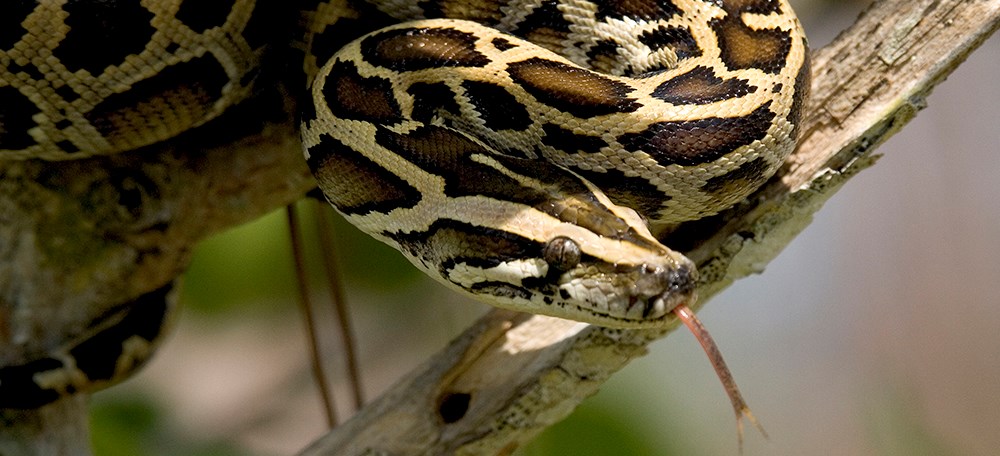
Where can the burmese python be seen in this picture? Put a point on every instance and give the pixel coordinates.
(526, 175)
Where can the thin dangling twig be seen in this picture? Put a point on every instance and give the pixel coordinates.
(325, 229)
(310, 321)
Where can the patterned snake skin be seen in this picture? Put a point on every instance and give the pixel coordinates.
(517, 151)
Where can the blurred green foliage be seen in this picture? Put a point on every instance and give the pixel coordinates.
(606, 425)
(135, 425)
(252, 264)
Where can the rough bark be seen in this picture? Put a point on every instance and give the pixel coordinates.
(80, 239)
(510, 376)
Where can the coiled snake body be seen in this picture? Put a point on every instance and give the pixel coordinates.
(516, 151)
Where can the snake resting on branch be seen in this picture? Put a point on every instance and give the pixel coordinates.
(522, 152)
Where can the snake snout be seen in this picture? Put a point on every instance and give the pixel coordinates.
(681, 280)
(676, 286)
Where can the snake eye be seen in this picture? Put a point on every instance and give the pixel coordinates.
(561, 253)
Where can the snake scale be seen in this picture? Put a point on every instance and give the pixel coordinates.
(519, 151)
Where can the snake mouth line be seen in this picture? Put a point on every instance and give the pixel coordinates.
(668, 302)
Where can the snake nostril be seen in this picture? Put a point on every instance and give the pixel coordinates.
(680, 280)
(676, 285)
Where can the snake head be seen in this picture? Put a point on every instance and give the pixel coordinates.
(569, 277)
(622, 280)
(531, 236)
(621, 292)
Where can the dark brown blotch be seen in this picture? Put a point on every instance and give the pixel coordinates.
(19, 390)
(554, 190)
(498, 109)
(677, 39)
(183, 93)
(603, 56)
(701, 86)
(354, 19)
(546, 16)
(570, 200)
(29, 70)
(14, 15)
(448, 242)
(352, 96)
(740, 181)
(487, 13)
(354, 184)
(446, 153)
(628, 191)
(201, 16)
(16, 118)
(505, 290)
(102, 34)
(502, 44)
(752, 6)
(545, 26)
(574, 90)
(411, 49)
(568, 141)
(700, 141)
(742, 47)
(645, 10)
(431, 99)
(98, 355)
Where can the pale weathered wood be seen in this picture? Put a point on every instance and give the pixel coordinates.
(510, 376)
(58, 429)
(80, 238)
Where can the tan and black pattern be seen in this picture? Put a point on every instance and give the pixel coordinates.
(82, 78)
(567, 88)
(357, 184)
(516, 150)
(512, 146)
(701, 86)
(117, 344)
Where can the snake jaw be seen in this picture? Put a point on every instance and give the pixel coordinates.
(629, 296)
(680, 289)
(676, 286)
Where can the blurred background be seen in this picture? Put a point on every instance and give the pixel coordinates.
(876, 332)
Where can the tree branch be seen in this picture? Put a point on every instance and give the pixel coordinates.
(510, 375)
(80, 239)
